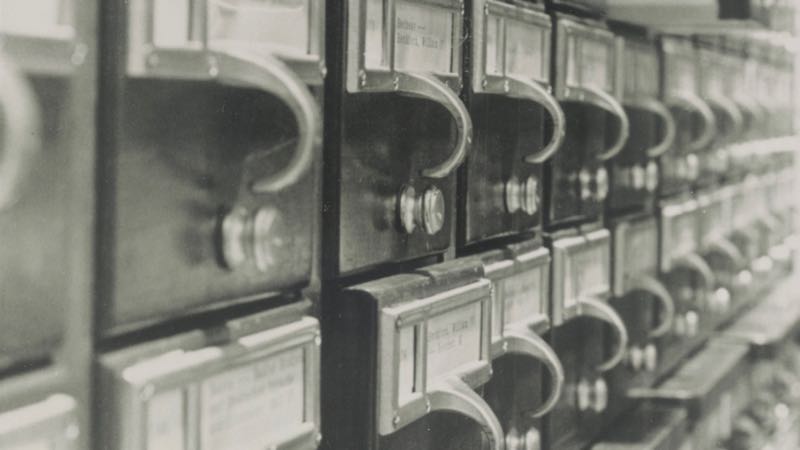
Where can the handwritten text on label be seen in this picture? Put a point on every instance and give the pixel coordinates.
(246, 408)
(454, 339)
(423, 38)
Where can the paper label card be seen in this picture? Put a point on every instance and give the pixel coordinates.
(248, 407)
(423, 38)
(526, 51)
(166, 420)
(277, 25)
(522, 295)
(454, 339)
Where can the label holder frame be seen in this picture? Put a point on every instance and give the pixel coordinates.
(133, 390)
(392, 415)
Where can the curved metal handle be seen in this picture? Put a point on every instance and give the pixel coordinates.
(429, 87)
(523, 341)
(657, 108)
(689, 101)
(21, 133)
(451, 394)
(696, 263)
(600, 310)
(533, 91)
(606, 101)
(268, 73)
(656, 288)
(729, 250)
(732, 111)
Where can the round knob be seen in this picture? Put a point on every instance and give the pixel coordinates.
(679, 325)
(531, 440)
(522, 196)
(635, 358)
(530, 196)
(744, 278)
(681, 170)
(763, 265)
(602, 183)
(426, 211)
(585, 180)
(721, 300)
(600, 402)
(512, 196)
(651, 176)
(692, 167)
(650, 357)
(245, 238)
(692, 323)
(639, 177)
(583, 392)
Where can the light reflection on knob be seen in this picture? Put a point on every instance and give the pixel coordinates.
(692, 167)
(531, 440)
(650, 357)
(583, 392)
(692, 323)
(651, 176)
(635, 358)
(602, 183)
(522, 196)
(638, 177)
(426, 211)
(600, 400)
(585, 180)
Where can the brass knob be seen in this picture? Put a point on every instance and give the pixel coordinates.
(583, 393)
(426, 211)
(651, 176)
(244, 235)
(601, 180)
(531, 440)
(692, 167)
(600, 397)
(635, 358)
(692, 323)
(650, 357)
(639, 178)
(585, 180)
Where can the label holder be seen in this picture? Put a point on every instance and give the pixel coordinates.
(386, 78)
(571, 36)
(50, 49)
(138, 383)
(52, 421)
(637, 74)
(570, 301)
(522, 336)
(193, 56)
(491, 17)
(395, 412)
